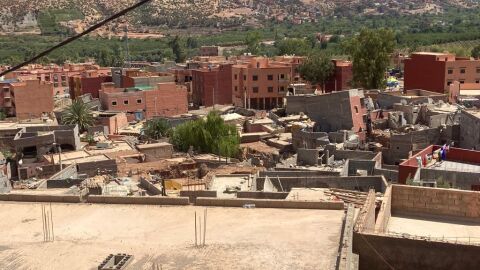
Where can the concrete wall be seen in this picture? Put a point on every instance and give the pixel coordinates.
(387, 253)
(457, 179)
(39, 198)
(435, 201)
(469, 127)
(366, 217)
(92, 168)
(194, 194)
(67, 173)
(270, 203)
(151, 188)
(347, 259)
(390, 175)
(153, 200)
(362, 183)
(365, 165)
(307, 157)
(385, 212)
(262, 195)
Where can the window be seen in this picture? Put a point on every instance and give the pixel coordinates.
(255, 77)
(255, 89)
(125, 102)
(139, 101)
(477, 81)
(462, 81)
(236, 88)
(270, 77)
(64, 78)
(235, 76)
(462, 70)
(450, 71)
(114, 103)
(55, 78)
(356, 109)
(55, 84)
(478, 69)
(281, 89)
(449, 82)
(64, 84)
(47, 78)
(270, 89)
(244, 77)
(282, 76)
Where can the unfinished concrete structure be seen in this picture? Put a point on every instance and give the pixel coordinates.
(470, 129)
(34, 142)
(386, 100)
(419, 228)
(459, 168)
(343, 110)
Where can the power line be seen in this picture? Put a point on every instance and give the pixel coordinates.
(71, 39)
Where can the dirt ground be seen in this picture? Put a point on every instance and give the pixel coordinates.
(236, 238)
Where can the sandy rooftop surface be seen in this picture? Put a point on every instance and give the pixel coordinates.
(236, 238)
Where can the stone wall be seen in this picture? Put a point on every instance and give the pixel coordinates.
(437, 202)
(366, 217)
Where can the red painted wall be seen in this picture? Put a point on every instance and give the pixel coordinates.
(425, 72)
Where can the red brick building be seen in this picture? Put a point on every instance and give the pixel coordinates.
(341, 78)
(259, 83)
(57, 75)
(166, 99)
(436, 71)
(212, 85)
(26, 99)
(87, 83)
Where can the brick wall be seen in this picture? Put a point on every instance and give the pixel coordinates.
(435, 201)
(32, 98)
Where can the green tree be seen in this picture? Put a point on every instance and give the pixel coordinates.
(79, 114)
(178, 49)
(156, 128)
(317, 68)
(192, 43)
(370, 51)
(252, 40)
(210, 135)
(290, 46)
(476, 52)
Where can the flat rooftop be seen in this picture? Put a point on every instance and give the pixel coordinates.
(437, 228)
(455, 166)
(236, 238)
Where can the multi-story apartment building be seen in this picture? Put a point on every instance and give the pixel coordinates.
(259, 83)
(165, 99)
(26, 99)
(212, 85)
(436, 71)
(57, 75)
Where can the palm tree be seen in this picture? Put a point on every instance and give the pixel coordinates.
(79, 114)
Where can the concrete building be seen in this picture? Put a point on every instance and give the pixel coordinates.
(212, 85)
(146, 102)
(459, 168)
(156, 151)
(436, 71)
(418, 228)
(386, 100)
(343, 110)
(260, 83)
(470, 129)
(26, 99)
